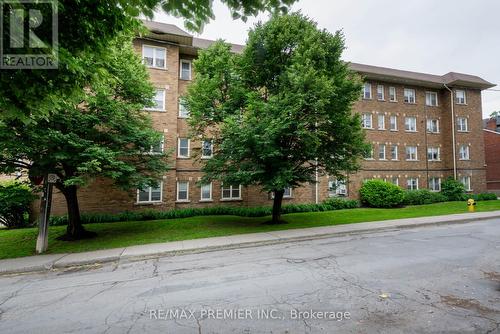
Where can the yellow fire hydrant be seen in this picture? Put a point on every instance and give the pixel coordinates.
(471, 205)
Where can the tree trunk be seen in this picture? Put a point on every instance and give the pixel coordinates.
(278, 199)
(75, 229)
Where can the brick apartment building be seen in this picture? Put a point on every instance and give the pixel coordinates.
(423, 128)
(492, 153)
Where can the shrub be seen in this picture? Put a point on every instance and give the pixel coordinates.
(483, 196)
(328, 205)
(15, 200)
(453, 190)
(423, 196)
(380, 194)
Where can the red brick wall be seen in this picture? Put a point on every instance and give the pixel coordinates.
(492, 152)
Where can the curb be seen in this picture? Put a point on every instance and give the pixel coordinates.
(59, 263)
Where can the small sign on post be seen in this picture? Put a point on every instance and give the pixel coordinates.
(43, 226)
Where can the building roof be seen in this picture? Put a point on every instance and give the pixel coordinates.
(190, 45)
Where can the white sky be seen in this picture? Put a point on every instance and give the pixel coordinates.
(431, 36)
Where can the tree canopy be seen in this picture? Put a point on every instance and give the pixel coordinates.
(281, 111)
(99, 131)
(85, 29)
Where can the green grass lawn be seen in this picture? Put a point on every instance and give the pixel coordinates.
(17, 243)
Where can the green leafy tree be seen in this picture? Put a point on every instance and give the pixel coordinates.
(280, 112)
(99, 131)
(495, 114)
(453, 190)
(85, 29)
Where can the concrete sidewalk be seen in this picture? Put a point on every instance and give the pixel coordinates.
(53, 261)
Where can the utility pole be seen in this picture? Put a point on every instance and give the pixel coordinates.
(42, 241)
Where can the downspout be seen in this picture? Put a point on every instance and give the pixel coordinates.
(454, 148)
(316, 190)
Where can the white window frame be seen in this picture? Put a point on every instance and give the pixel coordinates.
(367, 91)
(463, 100)
(371, 154)
(181, 106)
(289, 195)
(162, 109)
(162, 143)
(409, 153)
(231, 198)
(150, 194)
(395, 118)
(394, 151)
(364, 118)
(381, 121)
(380, 93)
(432, 184)
(434, 150)
(155, 48)
(179, 148)
(410, 185)
(408, 124)
(382, 152)
(407, 97)
(465, 153)
(187, 191)
(337, 188)
(203, 156)
(430, 122)
(185, 61)
(201, 192)
(392, 93)
(466, 180)
(428, 99)
(460, 128)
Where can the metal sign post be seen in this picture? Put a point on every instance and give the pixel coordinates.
(42, 241)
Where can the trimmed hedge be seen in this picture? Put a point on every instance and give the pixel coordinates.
(483, 196)
(380, 194)
(422, 196)
(328, 205)
(453, 190)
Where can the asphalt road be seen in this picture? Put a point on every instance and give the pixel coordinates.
(442, 279)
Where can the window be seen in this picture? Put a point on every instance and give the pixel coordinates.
(412, 183)
(150, 194)
(462, 124)
(435, 184)
(206, 192)
(231, 192)
(466, 182)
(393, 123)
(381, 152)
(392, 94)
(380, 93)
(185, 70)
(464, 152)
(366, 121)
(395, 180)
(337, 188)
(433, 125)
(433, 154)
(369, 153)
(381, 122)
(431, 99)
(409, 95)
(183, 148)
(411, 124)
(411, 153)
(154, 56)
(158, 101)
(183, 110)
(287, 193)
(183, 191)
(460, 97)
(158, 148)
(207, 149)
(367, 91)
(394, 152)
